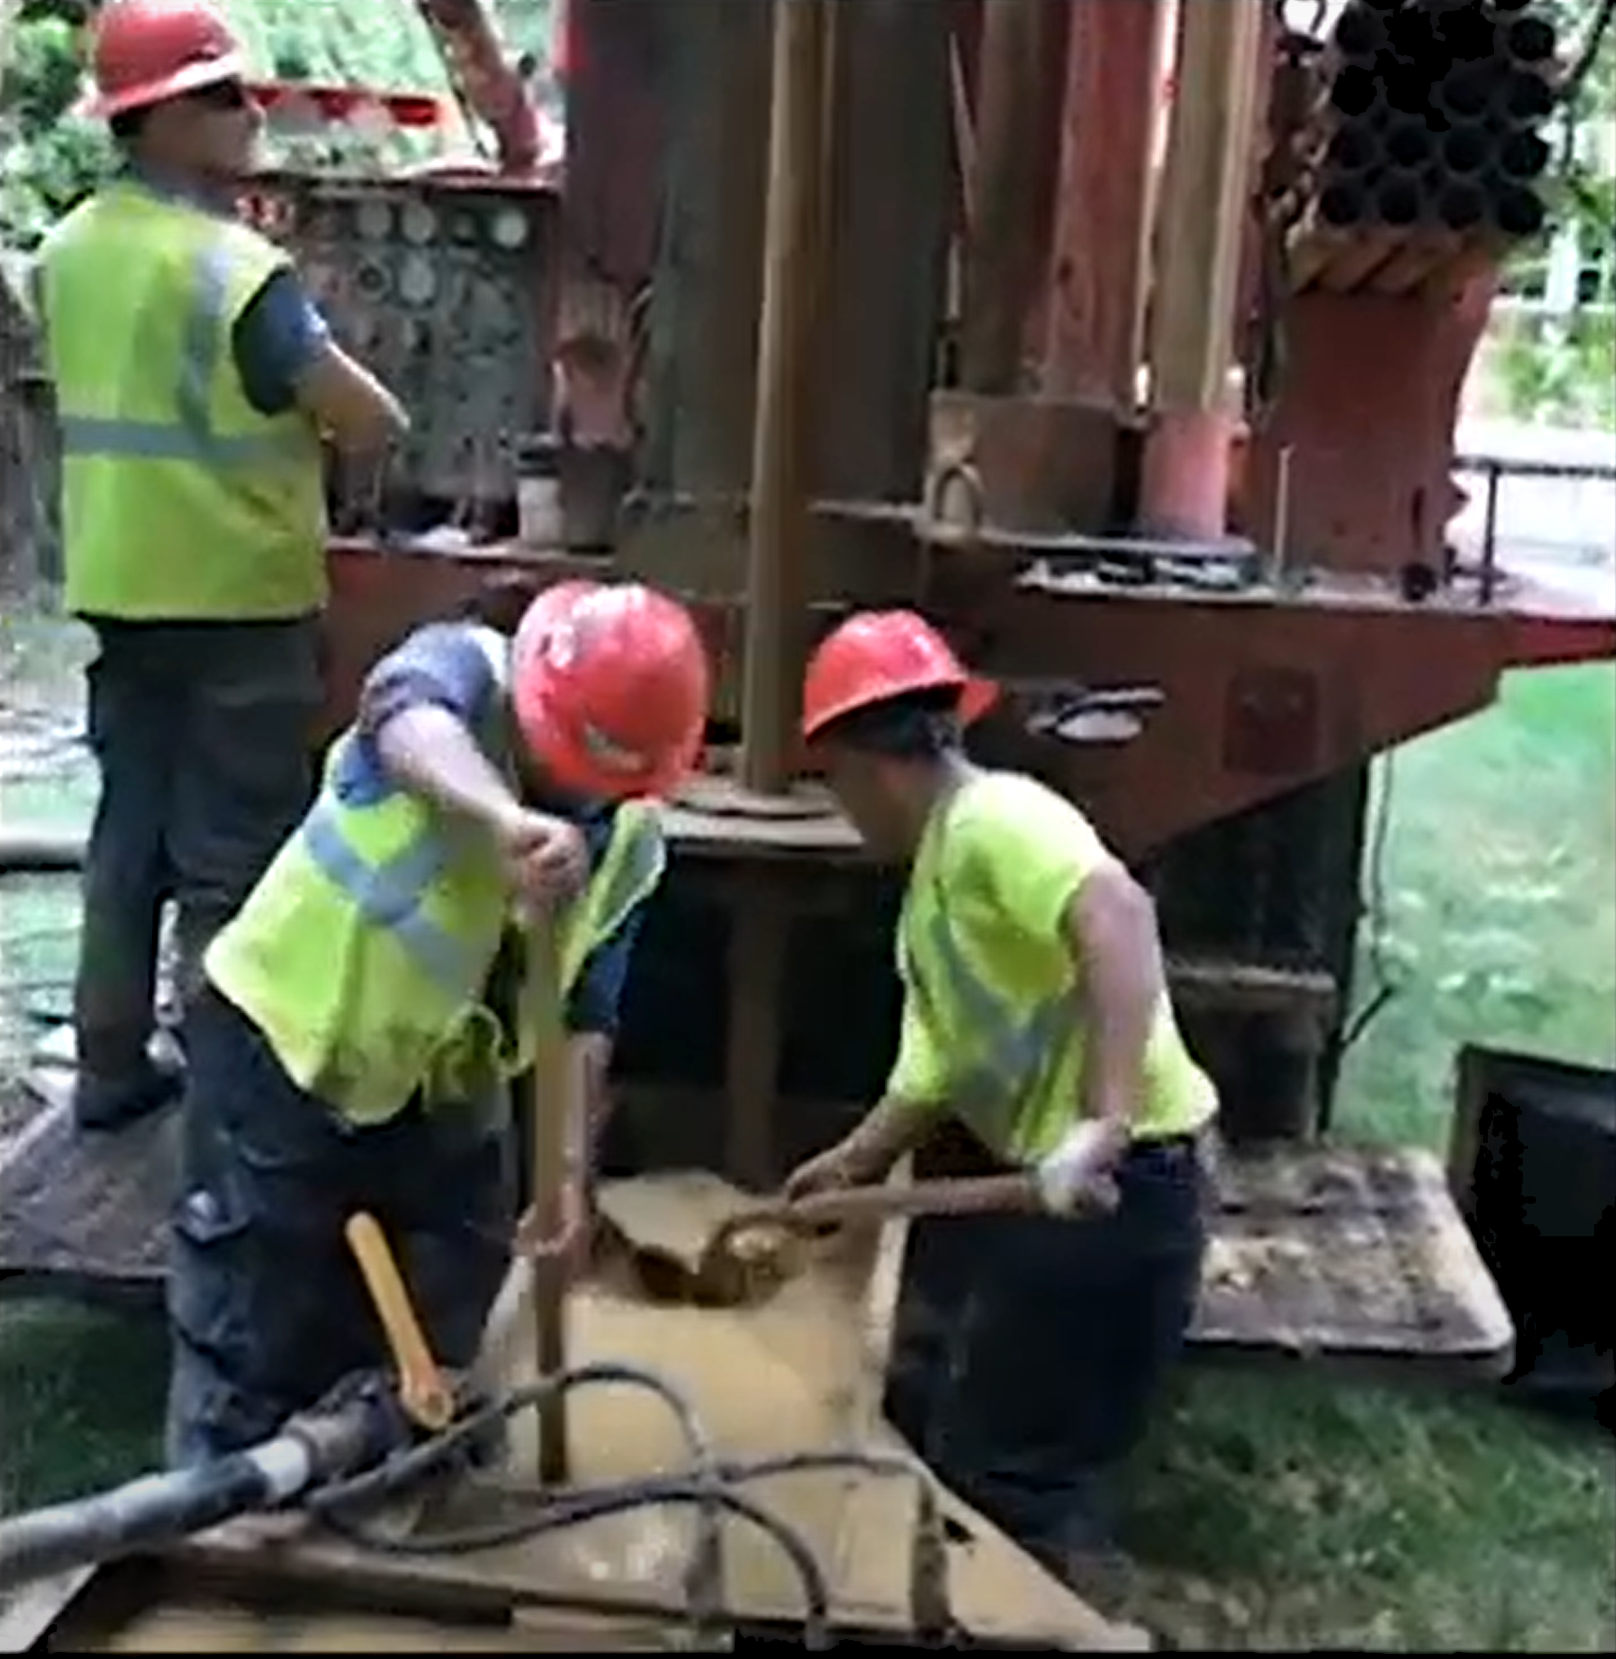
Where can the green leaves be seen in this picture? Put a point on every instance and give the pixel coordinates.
(46, 159)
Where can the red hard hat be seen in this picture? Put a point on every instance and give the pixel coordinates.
(879, 655)
(610, 683)
(145, 51)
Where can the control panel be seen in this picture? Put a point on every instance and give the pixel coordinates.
(445, 290)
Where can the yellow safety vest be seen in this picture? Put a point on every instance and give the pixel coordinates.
(1000, 1019)
(363, 954)
(179, 500)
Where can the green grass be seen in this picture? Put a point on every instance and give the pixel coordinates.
(1298, 1511)
(1272, 1510)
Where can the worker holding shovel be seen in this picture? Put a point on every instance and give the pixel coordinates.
(1035, 1014)
(363, 1015)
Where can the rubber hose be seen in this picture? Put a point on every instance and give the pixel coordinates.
(149, 1512)
(704, 1571)
(432, 1454)
(578, 1507)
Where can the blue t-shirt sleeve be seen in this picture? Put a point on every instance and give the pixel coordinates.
(441, 665)
(595, 1004)
(276, 337)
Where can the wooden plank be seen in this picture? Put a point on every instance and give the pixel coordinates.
(1351, 1252)
(201, 1625)
(794, 1374)
(894, 1508)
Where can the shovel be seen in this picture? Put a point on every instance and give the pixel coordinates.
(746, 1256)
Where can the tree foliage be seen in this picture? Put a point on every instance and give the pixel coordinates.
(48, 158)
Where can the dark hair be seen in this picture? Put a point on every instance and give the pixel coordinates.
(921, 725)
(499, 603)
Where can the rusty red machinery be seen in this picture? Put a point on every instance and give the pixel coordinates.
(1123, 338)
(950, 306)
(1211, 617)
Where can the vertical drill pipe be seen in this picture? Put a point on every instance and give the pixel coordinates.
(1360, 32)
(1206, 183)
(1327, 231)
(1424, 252)
(1018, 148)
(1522, 156)
(1466, 149)
(492, 85)
(551, 1152)
(1100, 244)
(779, 524)
(1527, 40)
(1407, 144)
(1516, 210)
(1523, 96)
(1463, 93)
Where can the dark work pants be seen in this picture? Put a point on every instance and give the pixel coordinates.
(1029, 1349)
(267, 1310)
(203, 736)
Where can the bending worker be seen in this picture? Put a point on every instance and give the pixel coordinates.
(1036, 1014)
(194, 380)
(361, 1019)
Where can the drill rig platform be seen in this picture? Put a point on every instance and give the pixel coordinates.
(1206, 627)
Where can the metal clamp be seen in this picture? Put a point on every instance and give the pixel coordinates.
(1085, 714)
(953, 506)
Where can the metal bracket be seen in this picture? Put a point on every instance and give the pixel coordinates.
(1057, 561)
(1085, 715)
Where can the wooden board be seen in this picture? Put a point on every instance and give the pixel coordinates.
(204, 1622)
(1330, 1252)
(86, 1212)
(1348, 1251)
(791, 1376)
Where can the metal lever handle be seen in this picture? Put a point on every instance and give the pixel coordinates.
(422, 1390)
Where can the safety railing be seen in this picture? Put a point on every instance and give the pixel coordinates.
(1494, 470)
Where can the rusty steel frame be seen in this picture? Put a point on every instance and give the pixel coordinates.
(1314, 661)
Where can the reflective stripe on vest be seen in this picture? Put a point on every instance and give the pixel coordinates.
(190, 435)
(1014, 1053)
(390, 896)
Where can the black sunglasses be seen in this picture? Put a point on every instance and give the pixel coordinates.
(222, 95)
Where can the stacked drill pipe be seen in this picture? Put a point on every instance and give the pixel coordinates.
(1431, 149)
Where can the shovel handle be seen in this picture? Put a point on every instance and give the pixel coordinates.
(976, 1195)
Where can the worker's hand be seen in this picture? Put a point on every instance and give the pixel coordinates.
(546, 857)
(568, 1249)
(833, 1170)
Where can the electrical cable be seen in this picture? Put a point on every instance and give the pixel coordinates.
(578, 1506)
(703, 1582)
(433, 1453)
(709, 1487)
(1386, 986)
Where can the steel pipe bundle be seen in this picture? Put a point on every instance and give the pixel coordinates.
(1432, 155)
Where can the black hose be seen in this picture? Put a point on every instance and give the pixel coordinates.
(158, 1510)
(708, 1487)
(577, 1506)
(704, 1572)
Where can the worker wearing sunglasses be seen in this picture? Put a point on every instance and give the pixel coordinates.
(194, 383)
